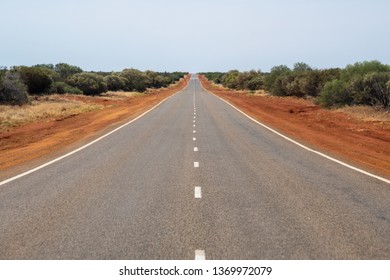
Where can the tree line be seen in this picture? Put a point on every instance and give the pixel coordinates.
(19, 82)
(362, 83)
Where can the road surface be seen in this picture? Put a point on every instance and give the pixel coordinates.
(194, 178)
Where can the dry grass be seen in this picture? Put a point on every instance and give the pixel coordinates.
(260, 92)
(49, 108)
(121, 94)
(367, 113)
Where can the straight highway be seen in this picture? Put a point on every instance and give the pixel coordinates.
(194, 179)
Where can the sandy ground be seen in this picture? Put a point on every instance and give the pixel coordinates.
(30, 142)
(365, 144)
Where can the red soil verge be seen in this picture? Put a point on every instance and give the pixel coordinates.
(35, 140)
(365, 144)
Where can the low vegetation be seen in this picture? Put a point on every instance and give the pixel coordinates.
(367, 113)
(360, 84)
(19, 83)
(45, 107)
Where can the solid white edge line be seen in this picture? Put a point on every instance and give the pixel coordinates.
(301, 145)
(200, 255)
(198, 192)
(87, 145)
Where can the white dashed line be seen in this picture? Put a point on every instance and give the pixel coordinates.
(198, 192)
(194, 131)
(200, 255)
(194, 125)
(196, 164)
(196, 149)
(194, 139)
(194, 121)
(194, 117)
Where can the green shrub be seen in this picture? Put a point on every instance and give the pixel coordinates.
(276, 72)
(115, 82)
(65, 70)
(363, 68)
(89, 83)
(216, 77)
(230, 79)
(61, 88)
(37, 79)
(158, 80)
(255, 83)
(136, 80)
(335, 93)
(376, 89)
(12, 89)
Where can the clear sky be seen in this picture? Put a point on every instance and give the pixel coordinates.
(196, 35)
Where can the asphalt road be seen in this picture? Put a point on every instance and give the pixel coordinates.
(132, 195)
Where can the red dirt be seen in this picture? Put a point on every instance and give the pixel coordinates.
(365, 144)
(32, 141)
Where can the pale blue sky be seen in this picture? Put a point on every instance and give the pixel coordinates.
(203, 35)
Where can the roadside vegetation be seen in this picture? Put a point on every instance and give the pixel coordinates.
(41, 109)
(360, 84)
(19, 85)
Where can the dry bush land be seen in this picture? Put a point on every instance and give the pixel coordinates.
(359, 135)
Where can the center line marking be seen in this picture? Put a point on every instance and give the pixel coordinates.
(194, 120)
(200, 255)
(196, 164)
(194, 139)
(198, 192)
(196, 149)
(194, 131)
(194, 117)
(194, 125)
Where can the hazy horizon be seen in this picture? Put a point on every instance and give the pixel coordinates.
(194, 36)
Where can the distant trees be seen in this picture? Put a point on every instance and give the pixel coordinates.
(40, 79)
(136, 80)
(252, 80)
(363, 83)
(65, 70)
(157, 80)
